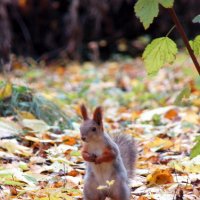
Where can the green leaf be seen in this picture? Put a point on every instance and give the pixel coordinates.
(167, 3)
(195, 150)
(146, 11)
(157, 53)
(13, 183)
(196, 45)
(196, 19)
(75, 153)
(185, 93)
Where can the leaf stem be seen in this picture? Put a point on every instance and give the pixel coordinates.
(170, 30)
(184, 37)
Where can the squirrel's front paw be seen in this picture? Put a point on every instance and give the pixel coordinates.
(93, 158)
(98, 160)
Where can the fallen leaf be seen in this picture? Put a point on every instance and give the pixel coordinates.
(171, 114)
(36, 125)
(158, 143)
(5, 91)
(160, 177)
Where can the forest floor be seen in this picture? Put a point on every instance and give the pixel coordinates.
(42, 161)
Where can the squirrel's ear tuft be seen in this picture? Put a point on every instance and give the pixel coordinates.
(98, 115)
(84, 112)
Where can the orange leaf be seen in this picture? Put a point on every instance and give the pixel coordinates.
(142, 198)
(159, 177)
(69, 140)
(171, 114)
(73, 173)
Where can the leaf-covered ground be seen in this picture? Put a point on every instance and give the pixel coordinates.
(42, 161)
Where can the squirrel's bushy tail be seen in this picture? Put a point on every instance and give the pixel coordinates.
(128, 152)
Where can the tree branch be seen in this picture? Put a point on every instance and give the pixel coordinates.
(184, 37)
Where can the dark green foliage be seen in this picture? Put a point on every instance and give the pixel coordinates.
(25, 99)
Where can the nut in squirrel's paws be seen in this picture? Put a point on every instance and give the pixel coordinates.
(93, 157)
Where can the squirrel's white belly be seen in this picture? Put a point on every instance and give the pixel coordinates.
(103, 171)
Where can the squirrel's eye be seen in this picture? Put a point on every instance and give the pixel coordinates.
(94, 129)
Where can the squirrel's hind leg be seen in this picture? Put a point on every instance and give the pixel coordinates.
(90, 190)
(121, 191)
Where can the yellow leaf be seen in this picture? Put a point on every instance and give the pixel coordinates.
(192, 117)
(159, 143)
(196, 102)
(26, 115)
(5, 91)
(110, 182)
(102, 187)
(159, 177)
(69, 140)
(12, 146)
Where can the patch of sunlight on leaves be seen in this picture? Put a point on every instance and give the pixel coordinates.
(147, 10)
(185, 93)
(159, 52)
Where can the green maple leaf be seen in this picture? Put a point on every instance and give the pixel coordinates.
(157, 53)
(147, 10)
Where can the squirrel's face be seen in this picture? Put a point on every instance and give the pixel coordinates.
(91, 129)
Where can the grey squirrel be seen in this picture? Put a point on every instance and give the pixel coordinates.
(107, 159)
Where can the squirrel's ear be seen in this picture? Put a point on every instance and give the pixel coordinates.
(98, 115)
(84, 112)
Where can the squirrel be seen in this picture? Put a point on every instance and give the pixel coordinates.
(108, 159)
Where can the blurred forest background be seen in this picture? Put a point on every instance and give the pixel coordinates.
(83, 29)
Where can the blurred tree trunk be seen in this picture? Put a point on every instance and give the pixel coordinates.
(5, 36)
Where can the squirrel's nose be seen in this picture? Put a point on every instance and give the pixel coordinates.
(83, 138)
